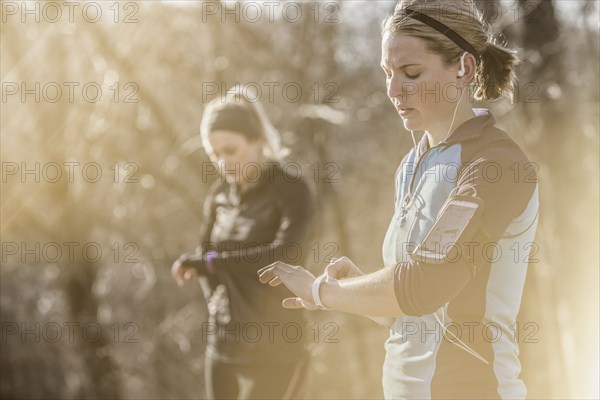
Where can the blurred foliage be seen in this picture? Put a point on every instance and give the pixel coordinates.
(146, 211)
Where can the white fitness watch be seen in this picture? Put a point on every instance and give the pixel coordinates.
(315, 291)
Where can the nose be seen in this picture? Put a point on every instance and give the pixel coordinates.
(394, 87)
(399, 89)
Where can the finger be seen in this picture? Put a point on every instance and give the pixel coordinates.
(308, 305)
(332, 270)
(176, 276)
(292, 303)
(333, 260)
(271, 266)
(263, 269)
(275, 281)
(266, 275)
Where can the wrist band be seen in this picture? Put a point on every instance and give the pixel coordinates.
(208, 258)
(315, 292)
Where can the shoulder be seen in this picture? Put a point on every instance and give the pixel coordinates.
(288, 176)
(493, 144)
(500, 173)
(495, 152)
(288, 185)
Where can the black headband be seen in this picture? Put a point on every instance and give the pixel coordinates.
(443, 29)
(235, 118)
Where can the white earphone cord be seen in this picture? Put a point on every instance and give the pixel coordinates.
(412, 133)
(459, 343)
(454, 115)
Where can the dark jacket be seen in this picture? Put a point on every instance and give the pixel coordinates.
(250, 230)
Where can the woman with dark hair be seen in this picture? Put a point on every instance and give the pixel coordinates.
(257, 213)
(456, 251)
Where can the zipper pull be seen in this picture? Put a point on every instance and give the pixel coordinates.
(403, 209)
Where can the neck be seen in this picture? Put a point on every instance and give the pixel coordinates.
(443, 130)
(244, 185)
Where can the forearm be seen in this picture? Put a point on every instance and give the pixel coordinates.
(249, 260)
(369, 295)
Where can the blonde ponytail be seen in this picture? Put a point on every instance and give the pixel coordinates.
(495, 74)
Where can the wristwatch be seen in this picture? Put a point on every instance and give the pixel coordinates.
(315, 291)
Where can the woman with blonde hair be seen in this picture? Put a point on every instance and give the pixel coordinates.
(257, 213)
(456, 251)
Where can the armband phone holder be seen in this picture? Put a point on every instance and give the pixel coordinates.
(457, 222)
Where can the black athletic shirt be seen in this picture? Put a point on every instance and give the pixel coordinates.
(249, 230)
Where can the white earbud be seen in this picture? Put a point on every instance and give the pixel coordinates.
(461, 71)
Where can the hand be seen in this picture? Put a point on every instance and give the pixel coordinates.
(343, 267)
(182, 273)
(297, 279)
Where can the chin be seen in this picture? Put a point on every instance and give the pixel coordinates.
(411, 124)
(231, 178)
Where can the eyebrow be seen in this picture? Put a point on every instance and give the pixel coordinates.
(401, 67)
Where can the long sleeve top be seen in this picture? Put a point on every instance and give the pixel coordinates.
(266, 223)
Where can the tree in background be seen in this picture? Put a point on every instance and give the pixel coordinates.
(144, 210)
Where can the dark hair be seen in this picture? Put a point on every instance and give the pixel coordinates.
(243, 102)
(234, 117)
